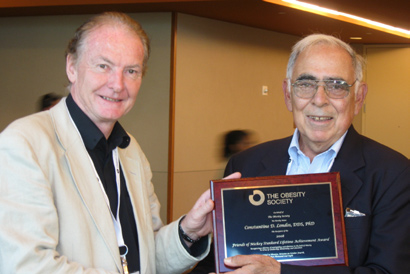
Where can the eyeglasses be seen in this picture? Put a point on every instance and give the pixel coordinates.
(335, 89)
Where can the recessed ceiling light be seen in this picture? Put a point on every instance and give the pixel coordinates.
(341, 16)
(356, 38)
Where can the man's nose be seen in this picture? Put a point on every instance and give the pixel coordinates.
(320, 98)
(116, 81)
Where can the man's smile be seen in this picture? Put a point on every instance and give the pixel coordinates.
(110, 99)
(320, 118)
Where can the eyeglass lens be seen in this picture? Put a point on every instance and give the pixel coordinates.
(336, 89)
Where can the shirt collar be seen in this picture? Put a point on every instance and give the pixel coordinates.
(90, 133)
(294, 148)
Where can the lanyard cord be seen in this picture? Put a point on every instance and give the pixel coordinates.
(115, 220)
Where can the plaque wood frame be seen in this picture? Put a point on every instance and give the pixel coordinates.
(332, 179)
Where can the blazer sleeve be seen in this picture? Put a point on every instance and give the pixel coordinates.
(172, 257)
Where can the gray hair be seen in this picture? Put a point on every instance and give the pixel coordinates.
(315, 39)
(76, 44)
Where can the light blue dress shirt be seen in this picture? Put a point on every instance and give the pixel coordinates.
(299, 163)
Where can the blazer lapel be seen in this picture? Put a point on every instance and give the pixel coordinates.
(134, 179)
(85, 178)
(276, 162)
(348, 162)
(274, 165)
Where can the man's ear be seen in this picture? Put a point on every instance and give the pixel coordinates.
(71, 68)
(360, 96)
(286, 92)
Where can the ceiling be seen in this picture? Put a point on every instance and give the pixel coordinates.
(253, 13)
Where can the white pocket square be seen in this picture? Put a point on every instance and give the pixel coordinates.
(353, 213)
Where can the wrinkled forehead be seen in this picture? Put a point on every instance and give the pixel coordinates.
(324, 60)
(105, 33)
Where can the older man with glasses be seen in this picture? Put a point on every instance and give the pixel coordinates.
(324, 91)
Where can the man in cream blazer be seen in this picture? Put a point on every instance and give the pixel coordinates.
(54, 215)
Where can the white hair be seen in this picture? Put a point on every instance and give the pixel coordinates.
(315, 39)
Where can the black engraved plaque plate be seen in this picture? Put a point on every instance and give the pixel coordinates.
(295, 219)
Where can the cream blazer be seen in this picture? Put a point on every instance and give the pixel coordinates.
(53, 215)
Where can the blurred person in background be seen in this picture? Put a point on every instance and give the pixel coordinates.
(236, 141)
(48, 101)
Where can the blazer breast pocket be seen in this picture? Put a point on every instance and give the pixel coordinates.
(357, 236)
(360, 222)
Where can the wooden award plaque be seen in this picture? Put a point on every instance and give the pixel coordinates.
(296, 219)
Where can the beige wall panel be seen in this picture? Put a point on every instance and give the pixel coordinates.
(220, 71)
(387, 116)
(188, 189)
(221, 68)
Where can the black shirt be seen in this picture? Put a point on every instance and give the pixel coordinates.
(100, 150)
